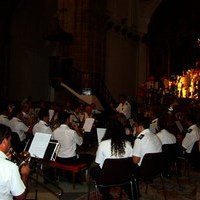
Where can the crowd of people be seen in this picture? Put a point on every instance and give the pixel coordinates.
(128, 134)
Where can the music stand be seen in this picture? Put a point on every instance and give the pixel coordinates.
(43, 149)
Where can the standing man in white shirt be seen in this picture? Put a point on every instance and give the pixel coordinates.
(124, 107)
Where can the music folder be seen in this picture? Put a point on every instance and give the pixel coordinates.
(43, 147)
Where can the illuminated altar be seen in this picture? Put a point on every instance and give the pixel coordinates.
(188, 84)
(162, 91)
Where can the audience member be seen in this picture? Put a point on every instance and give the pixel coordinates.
(12, 181)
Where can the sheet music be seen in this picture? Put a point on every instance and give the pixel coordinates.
(100, 133)
(51, 112)
(39, 144)
(88, 124)
(179, 125)
(153, 127)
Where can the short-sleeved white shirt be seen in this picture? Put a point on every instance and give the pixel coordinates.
(68, 140)
(166, 137)
(124, 109)
(104, 152)
(191, 137)
(4, 120)
(10, 180)
(42, 127)
(146, 142)
(19, 127)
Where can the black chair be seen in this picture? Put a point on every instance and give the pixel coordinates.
(190, 160)
(152, 167)
(170, 152)
(194, 156)
(115, 173)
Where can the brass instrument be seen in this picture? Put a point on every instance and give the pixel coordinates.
(24, 158)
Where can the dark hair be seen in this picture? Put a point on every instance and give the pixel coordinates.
(62, 117)
(163, 121)
(5, 132)
(43, 113)
(3, 107)
(192, 118)
(116, 132)
(16, 110)
(143, 121)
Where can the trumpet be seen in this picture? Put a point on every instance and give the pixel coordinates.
(20, 159)
(24, 158)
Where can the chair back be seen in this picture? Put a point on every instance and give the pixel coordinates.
(195, 148)
(116, 171)
(170, 152)
(194, 156)
(152, 165)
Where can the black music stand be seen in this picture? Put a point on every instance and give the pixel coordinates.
(50, 153)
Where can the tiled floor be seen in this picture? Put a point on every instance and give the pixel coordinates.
(185, 190)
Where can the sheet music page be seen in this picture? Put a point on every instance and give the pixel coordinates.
(153, 127)
(179, 125)
(88, 124)
(100, 133)
(51, 112)
(39, 144)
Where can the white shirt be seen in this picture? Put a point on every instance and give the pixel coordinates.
(104, 152)
(191, 137)
(4, 120)
(68, 140)
(10, 180)
(154, 125)
(125, 109)
(166, 137)
(19, 127)
(42, 127)
(146, 142)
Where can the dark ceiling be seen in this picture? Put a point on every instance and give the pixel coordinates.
(175, 28)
